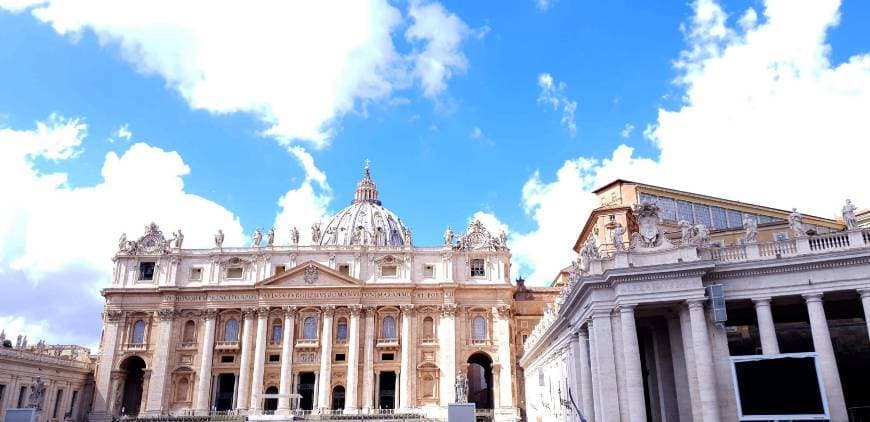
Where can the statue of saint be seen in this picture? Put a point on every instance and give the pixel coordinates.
(588, 252)
(448, 237)
(37, 393)
(849, 218)
(795, 223)
(685, 232)
(122, 242)
(219, 239)
(379, 236)
(618, 233)
(461, 388)
(406, 237)
(179, 238)
(270, 237)
(750, 226)
(294, 235)
(258, 237)
(315, 233)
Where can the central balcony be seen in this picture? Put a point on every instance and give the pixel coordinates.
(388, 342)
(226, 345)
(307, 343)
(136, 347)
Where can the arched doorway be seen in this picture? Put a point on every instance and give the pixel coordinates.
(306, 390)
(480, 380)
(387, 390)
(134, 368)
(338, 398)
(271, 405)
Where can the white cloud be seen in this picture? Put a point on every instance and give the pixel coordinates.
(766, 118)
(297, 66)
(58, 240)
(544, 5)
(626, 131)
(124, 133)
(305, 205)
(553, 94)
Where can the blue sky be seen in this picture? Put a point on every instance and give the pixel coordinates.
(247, 117)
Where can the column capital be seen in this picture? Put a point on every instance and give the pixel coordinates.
(113, 316)
(209, 314)
(762, 301)
(263, 312)
(289, 311)
(696, 303)
(448, 310)
(328, 310)
(812, 297)
(249, 313)
(626, 308)
(355, 310)
(369, 310)
(407, 309)
(503, 311)
(166, 314)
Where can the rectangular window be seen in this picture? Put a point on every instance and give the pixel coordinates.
(234, 273)
(667, 209)
(72, 404)
(274, 358)
(227, 359)
(763, 219)
(478, 268)
(428, 271)
(57, 400)
(196, 274)
(2, 390)
(22, 394)
(735, 219)
(684, 211)
(702, 215)
(340, 357)
(344, 269)
(388, 270)
(280, 269)
(387, 356)
(720, 220)
(146, 271)
(647, 198)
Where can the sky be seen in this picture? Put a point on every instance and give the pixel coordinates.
(243, 115)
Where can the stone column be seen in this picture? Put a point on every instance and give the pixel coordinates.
(369, 361)
(103, 380)
(259, 360)
(447, 353)
(351, 404)
(502, 333)
(585, 375)
(159, 363)
(766, 328)
(325, 359)
(203, 383)
(287, 334)
(825, 357)
(705, 369)
(608, 392)
(406, 367)
(243, 399)
(680, 369)
(865, 300)
(633, 371)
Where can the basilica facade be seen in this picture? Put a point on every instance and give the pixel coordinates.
(355, 319)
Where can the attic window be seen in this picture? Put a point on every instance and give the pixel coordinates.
(146, 271)
(234, 273)
(388, 270)
(196, 273)
(280, 269)
(428, 271)
(344, 269)
(477, 268)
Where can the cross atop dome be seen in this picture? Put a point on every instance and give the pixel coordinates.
(366, 190)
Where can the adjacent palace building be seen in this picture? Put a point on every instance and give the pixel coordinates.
(355, 320)
(685, 307)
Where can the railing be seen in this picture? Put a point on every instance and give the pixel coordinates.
(187, 345)
(226, 345)
(824, 242)
(730, 253)
(29, 355)
(388, 341)
(778, 248)
(135, 346)
(429, 340)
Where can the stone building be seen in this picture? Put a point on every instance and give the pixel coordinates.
(64, 371)
(355, 320)
(654, 316)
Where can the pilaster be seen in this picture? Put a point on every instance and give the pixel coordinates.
(325, 359)
(201, 405)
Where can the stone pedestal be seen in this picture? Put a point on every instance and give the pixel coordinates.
(460, 412)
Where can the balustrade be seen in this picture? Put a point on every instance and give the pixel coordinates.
(829, 241)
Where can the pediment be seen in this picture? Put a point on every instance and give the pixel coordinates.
(309, 274)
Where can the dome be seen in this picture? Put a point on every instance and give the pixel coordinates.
(365, 221)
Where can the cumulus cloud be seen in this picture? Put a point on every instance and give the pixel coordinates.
(58, 239)
(305, 205)
(553, 94)
(297, 66)
(766, 118)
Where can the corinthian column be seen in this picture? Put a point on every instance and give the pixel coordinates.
(825, 356)
(633, 371)
(286, 359)
(259, 360)
(243, 399)
(704, 362)
(157, 384)
(368, 361)
(203, 384)
(325, 359)
(447, 353)
(405, 371)
(350, 401)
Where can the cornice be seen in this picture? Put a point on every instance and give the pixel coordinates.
(725, 273)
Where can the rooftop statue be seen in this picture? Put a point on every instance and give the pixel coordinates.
(448, 237)
(694, 235)
(750, 226)
(219, 239)
(270, 237)
(122, 242)
(294, 236)
(258, 237)
(315, 233)
(849, 218)
(795, 223)
(179, 238)
(588, 252)
(649, 234)
(618, 233)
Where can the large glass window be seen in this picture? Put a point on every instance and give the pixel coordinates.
(477, 268)
(389, 327)
(138, 336)
(702, 215)
(309, 328)
(720, 220)
(684, 211)
(735, 219)
(668, 209)
(478, 328)
(276, 331)
(231, 330)
(341, 331)
(647, 198)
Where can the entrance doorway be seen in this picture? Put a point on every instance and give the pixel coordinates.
(338, 398)
(387, 390)
(480, 380)
(271, 405)
(226, 388)
(134, 367)
(306, 390)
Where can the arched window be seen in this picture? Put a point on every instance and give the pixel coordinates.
(181, 388)
(276, 331)
(389, 327)
(428, 328)
(341, 332)
(138, 336)
(231, 330)
(189, 332)
(478, 328)
(309, 328)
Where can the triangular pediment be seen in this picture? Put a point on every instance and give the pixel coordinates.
(309, 274)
